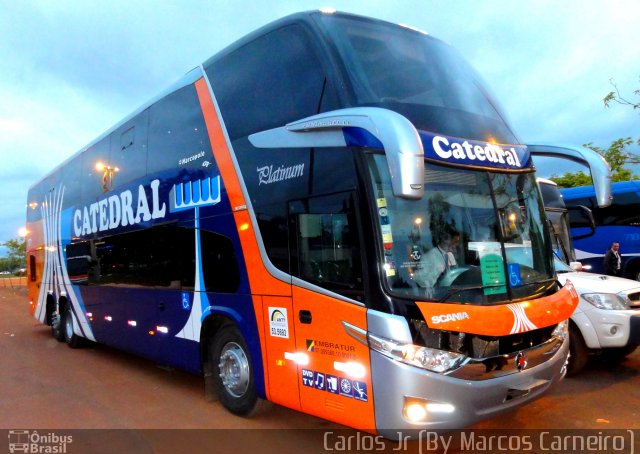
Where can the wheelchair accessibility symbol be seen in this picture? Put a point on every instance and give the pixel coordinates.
(514, 274)
(186, 302)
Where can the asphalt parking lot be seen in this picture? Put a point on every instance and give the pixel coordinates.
(46, 386)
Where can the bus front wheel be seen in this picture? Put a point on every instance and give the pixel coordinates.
(232, 372)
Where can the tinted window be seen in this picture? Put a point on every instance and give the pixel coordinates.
(416, 75)
(97, 174)
(551, 195)
(129, 149)
(177, 133)
(274, 177)
(269, 82)
(326, 249)
(622, 211)
(219, 264)
(32, 268)
(156, 257)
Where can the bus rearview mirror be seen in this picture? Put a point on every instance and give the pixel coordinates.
(397, 135)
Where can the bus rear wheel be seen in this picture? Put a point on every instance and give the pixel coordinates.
(57, 329)
(72, 339)
(232, 372)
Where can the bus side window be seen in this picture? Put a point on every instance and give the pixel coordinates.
(292, 82)
(177, 135)
(219, 263)
(32, 268)
(326, 248)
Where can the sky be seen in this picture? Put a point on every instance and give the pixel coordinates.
(70, 70)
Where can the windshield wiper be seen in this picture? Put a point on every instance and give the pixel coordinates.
(454, 290)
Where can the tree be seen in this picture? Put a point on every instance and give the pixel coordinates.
(617, 154)
(614, 96)
(17, 254)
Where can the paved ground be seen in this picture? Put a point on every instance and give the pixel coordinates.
(47, 386)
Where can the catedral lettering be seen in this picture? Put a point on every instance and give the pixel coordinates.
(491, 153)
(315, 204)
(119, 210)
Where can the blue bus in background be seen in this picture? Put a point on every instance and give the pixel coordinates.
(619, 222)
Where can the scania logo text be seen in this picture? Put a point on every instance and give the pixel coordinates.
(444, 318)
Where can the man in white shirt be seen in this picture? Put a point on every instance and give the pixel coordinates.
(437, 262)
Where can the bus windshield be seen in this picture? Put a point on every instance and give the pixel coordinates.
(418, 76)
(475, 236)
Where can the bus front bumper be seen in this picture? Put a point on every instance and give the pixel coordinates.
(403, 393)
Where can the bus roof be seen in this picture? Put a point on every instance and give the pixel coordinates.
(185, 80)
(589, 191)
(192, 75)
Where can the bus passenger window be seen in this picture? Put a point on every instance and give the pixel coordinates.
(219, 263)
(32, 268)
(326, 251)
(292, 84)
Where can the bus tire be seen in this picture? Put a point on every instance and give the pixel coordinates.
(57, 328)
(233, 372)
(578, 351)
(70, 337)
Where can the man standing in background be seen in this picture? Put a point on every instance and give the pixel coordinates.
(612, 260)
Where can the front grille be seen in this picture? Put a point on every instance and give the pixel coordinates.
(478, 347)
(516, 342)
(635, 300)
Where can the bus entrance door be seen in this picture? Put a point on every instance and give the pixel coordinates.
(335, 384)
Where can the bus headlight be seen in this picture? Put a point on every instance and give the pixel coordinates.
(426, 358)
(608, 301)
(562, 330)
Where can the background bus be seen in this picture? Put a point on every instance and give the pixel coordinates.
(266, 222)
(607, 318)
(618, 222)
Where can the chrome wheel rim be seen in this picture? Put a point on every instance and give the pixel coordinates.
(234, 369)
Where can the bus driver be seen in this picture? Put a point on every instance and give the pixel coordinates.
(435, 263)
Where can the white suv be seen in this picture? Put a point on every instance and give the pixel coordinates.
(607, 317)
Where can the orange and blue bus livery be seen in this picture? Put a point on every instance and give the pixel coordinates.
(330, 214)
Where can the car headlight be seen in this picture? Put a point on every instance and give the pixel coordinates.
(426, 358)
(608, 301)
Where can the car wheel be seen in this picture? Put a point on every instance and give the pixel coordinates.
(578, 351)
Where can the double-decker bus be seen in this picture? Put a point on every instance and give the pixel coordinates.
(275, 219)
(619, 222)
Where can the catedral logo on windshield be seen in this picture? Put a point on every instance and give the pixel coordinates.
(124, 209)
(474, 153)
